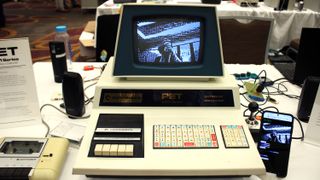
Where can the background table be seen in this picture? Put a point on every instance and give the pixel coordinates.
(287, 24)
(304, 158)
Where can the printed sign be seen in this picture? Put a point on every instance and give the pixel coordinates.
(19, 104)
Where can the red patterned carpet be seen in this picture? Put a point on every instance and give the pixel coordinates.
(36, 19)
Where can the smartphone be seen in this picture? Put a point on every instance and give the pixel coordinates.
(275, 141)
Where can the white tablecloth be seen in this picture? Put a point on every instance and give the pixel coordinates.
(287, 24)
(304, 158)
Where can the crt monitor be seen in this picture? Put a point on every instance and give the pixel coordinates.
(168, 40)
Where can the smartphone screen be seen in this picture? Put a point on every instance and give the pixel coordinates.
(275, 141)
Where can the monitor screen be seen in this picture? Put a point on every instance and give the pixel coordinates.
(168, 41)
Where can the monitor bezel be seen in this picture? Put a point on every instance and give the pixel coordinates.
(212, 64)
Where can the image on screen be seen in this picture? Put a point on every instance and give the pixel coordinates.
(168, 40)
(275, 135)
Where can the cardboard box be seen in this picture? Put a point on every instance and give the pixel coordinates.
(87, 50)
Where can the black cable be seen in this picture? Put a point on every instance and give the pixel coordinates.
(75, 117)
(240, 86)
(244, 112)
(242, 82)
(289, 95)
(263, 109)
(93, 79)
(280, 91)
(243, 105)
(102, 68)
(90, 86)
(243, 93)
(279, 79)
(244, 96)
(266, 99)
(258, 76)
(45, 123)
(301, 128)
(88, 99)
(269, 107)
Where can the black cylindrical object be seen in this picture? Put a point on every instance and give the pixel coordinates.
(73, 95)
(58, 58)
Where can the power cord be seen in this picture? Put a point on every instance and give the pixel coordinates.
(281, 89)
(268, 107)
(46, 124)
(288, 95)
(259, 76)
(88, 100)
(267, 98)
(243, 105)
(301, 128)
(279, 79)
(93, 79)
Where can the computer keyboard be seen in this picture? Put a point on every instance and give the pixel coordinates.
(177, 136)
(184, 136)
(234, 136)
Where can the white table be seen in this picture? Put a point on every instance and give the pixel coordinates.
(304, 158)
(287, 24)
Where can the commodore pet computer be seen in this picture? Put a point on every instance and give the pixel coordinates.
(163, 105)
